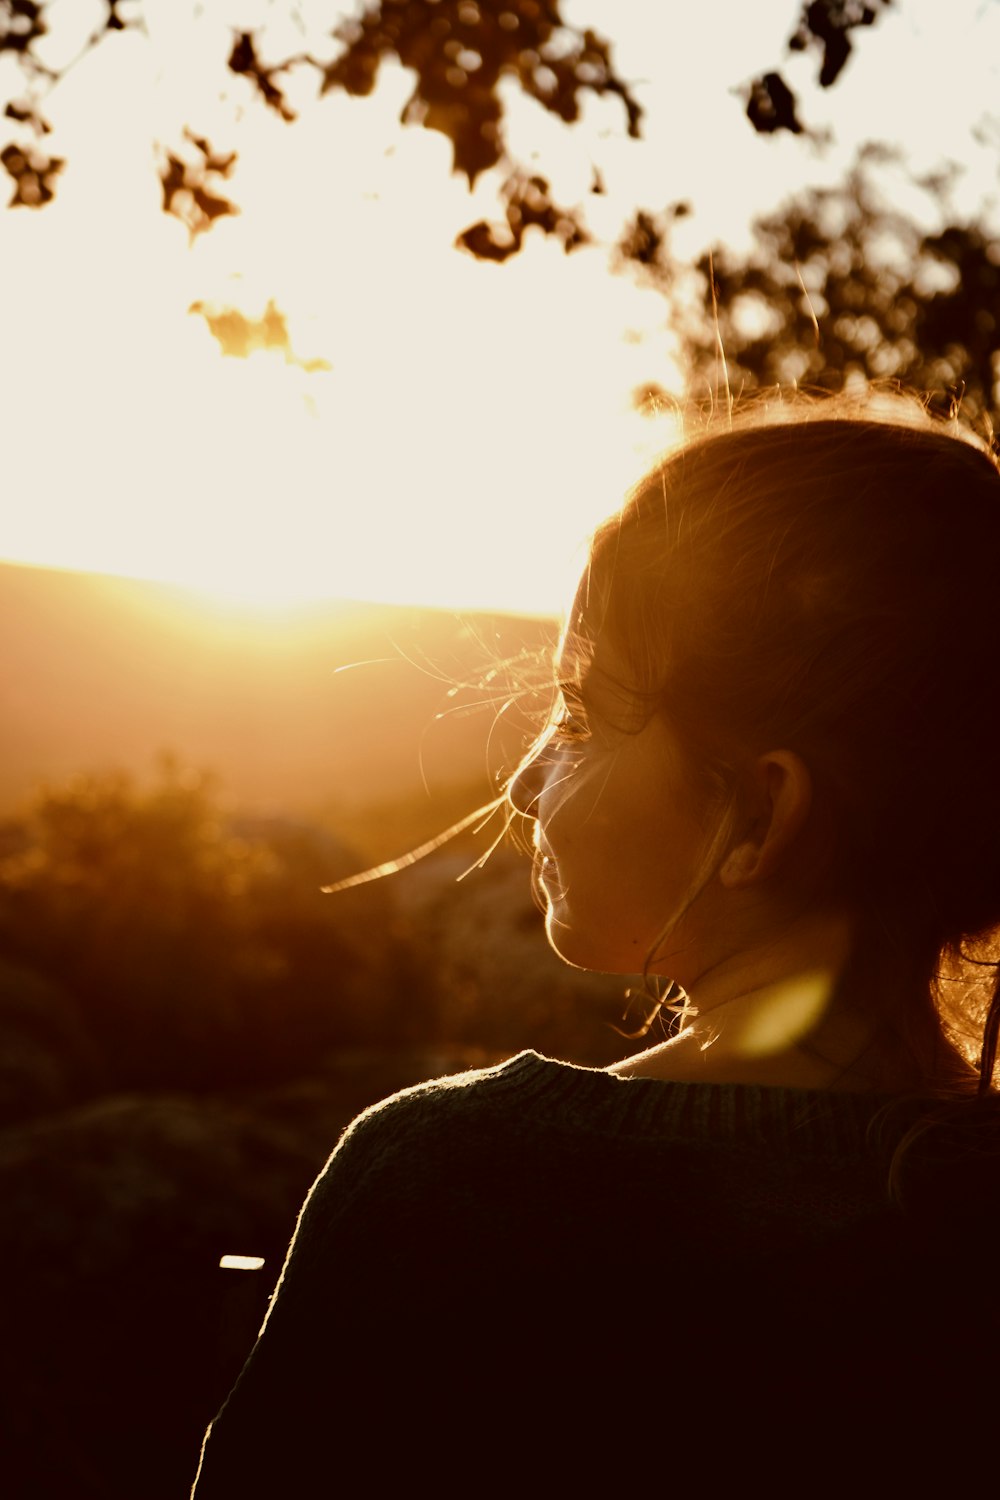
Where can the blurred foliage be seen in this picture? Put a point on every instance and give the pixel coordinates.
(840, 288)
(199, 953)
(190, 187)
(461, 50)
(239, 336)
(824, 26)
(47, 1059)
(837, 286)
(33, 171)
(461, 53)
(527, 204)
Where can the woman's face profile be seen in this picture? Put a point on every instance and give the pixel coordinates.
(616, 828)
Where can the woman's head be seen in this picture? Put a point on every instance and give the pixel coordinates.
(824, 586)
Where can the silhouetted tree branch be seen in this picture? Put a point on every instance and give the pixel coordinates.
(460, 52)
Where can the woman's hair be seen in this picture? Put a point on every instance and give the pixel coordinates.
(827, 580)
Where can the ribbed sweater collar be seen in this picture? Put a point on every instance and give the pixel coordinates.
(798, 1122)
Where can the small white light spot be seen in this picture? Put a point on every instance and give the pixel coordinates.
(241, 1262)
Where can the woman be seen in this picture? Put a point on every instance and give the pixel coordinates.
(772, 787)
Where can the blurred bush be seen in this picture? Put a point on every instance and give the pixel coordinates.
(198, 953)
(47, 1061)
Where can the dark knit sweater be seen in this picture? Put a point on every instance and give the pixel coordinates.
(548, 1263)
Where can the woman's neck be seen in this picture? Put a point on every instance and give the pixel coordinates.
(776, 1014)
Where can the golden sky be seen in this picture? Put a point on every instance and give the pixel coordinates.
(474, 421)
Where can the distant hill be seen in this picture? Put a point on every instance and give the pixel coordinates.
(101, 672)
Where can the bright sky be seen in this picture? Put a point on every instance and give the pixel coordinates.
(476, 420)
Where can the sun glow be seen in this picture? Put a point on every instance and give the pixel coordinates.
(385, 476)
(440, 431)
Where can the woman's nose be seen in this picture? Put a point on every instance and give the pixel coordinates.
(526, 785)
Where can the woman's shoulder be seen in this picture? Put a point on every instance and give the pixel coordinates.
(459, 1116)
(533, 1129)
(456, 1106)
(452, 1100)
(543, 1106)
(471, 1088)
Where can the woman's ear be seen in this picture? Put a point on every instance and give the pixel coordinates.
(780, 796)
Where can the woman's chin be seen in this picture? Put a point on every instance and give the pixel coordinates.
(573, 946)
(562, 940)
